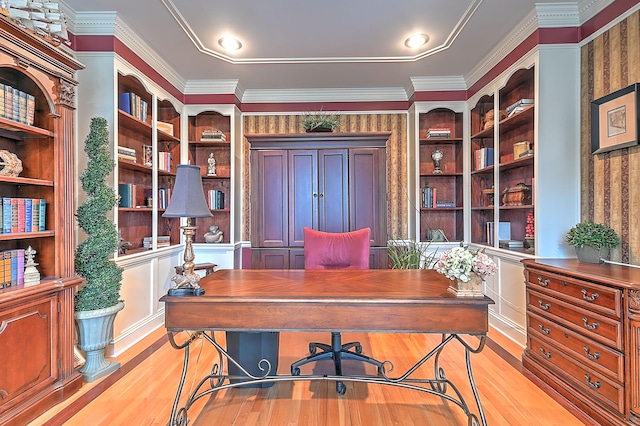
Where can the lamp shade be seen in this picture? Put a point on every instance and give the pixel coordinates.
(187, 197)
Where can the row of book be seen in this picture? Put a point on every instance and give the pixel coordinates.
(132, 196)
(11, 268)
(164, 161)
(23, 215)
(17, 105)
(133, 104)
(126, 153)
(215, 199)
(483, 158)
(212, 135)
(163, 241)
(518, 106)
(438, 132)
(430, 199)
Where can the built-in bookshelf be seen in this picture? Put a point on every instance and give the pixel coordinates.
(441, 200)
(167, 158)
(210, 149)
(135, 178)
(37, 128)
(502, 170)
(482, 169)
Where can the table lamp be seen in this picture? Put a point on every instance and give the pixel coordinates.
(187, 200)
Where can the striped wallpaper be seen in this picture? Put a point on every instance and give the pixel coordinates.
(349, 123)
(610, 182)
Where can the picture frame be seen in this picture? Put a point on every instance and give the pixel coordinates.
(615, 120)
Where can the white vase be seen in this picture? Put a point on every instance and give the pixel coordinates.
(471, 288)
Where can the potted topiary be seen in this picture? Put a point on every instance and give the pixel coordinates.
(320, 121)
(98, 301)
(592, 241)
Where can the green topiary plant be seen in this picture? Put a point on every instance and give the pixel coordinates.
(92, 256)
(596, 235)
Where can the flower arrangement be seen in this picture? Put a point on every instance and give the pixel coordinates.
(459, 263)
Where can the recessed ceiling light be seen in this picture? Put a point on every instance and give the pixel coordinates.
(416, 40)
(230, 43)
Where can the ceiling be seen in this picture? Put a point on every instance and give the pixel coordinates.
(334, 44)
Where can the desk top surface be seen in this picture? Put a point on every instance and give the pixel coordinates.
(370, 300)
(344, 285)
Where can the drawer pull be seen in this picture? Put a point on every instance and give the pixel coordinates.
(547, 355)
(591, 298)
(594, 356)
(595, 385)
(544, 307)
(543, 283)
(544, 330)
(592, 326)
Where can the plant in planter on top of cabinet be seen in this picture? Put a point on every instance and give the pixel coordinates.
(592, 241)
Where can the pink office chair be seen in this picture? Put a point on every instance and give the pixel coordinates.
(324, 250)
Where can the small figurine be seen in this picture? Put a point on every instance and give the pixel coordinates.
(211, 168)
(214, 235)
(31, 274)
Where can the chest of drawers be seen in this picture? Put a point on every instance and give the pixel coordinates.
(582, 337)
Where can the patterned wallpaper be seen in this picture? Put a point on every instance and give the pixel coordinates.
(349, 123)
(610, 182)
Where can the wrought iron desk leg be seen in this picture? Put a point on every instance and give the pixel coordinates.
(179, 417)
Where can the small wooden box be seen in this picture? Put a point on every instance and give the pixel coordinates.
(517, 195)
(520, 149)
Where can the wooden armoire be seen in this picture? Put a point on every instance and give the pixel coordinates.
(332, 182)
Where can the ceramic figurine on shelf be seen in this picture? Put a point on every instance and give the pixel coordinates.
(211, 165)
(31, 274)
(214, 235)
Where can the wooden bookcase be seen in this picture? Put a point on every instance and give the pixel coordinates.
(135, 131)
(446, 186)
(482, 174)
(502, 186)
(36, 335)
(199, 151)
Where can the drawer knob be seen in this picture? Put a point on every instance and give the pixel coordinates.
(589, 355)
(591, 298)
(544, 330)
(545, 354)
(544, 307)
(593, 326)
(595, 385)
(543, 283)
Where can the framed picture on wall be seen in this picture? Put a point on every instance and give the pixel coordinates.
(615, 120)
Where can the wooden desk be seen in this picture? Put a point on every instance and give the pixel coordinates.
(367, 301)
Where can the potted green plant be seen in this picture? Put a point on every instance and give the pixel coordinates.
(98, 301)
(592, 241)
(320, 121)
(409, 254)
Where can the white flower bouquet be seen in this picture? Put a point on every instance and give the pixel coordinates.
(459, 263)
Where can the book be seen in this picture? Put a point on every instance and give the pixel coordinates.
(31, 109)
(35, 214)
(125, 190)
(6, 215)
(510, 244)
(28, 214)
(165, 127)
(21, 214)
(124, 102)
(522, 104)
(2, 100)
(504, 231)
(42, 216)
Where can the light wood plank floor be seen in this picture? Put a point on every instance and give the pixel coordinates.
(144, 395)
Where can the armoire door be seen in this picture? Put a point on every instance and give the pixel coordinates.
(270, 181)
(318, 192)
(368, 193)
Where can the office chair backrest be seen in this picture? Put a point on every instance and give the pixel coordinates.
(346, 250)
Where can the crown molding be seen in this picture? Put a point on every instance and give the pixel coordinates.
(108, 23)
(324, 95)
(210, 87)
(557, 15)
(587, 9)
(427, 84)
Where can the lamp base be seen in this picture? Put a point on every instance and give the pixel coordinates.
(186, 291)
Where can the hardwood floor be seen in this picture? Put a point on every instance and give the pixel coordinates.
(142, 391)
